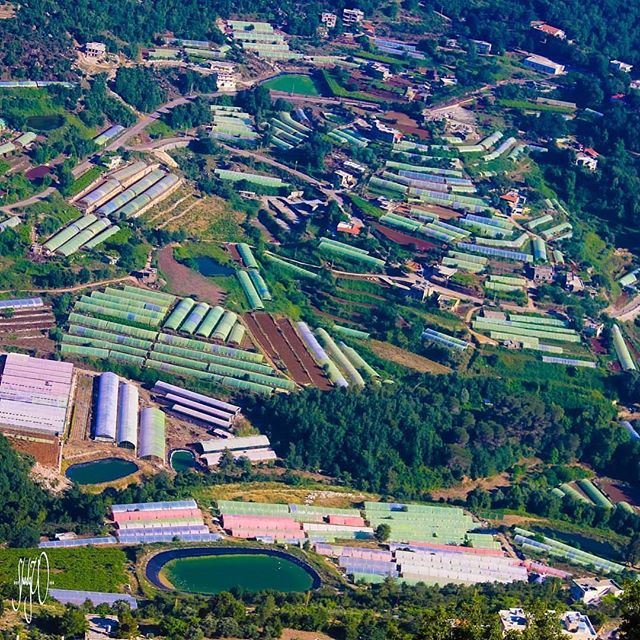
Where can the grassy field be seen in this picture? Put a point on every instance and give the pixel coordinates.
(525, 105)
(87, 569)
(83, 181)
(293, 83)
(280, 493)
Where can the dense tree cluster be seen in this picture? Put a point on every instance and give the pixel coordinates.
(139, 87)
(408, 438)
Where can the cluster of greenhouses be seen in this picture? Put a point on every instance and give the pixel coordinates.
(408, 522)
(261, 38)
(253, 284)
(348, 136)
(287, 133)
(506, 284)
(521, 327)
(349, 253)
(543, 545)
(235, 368)
(87, 232)
(465, 261)
(202, 320)
(232, 124)
(254, 178)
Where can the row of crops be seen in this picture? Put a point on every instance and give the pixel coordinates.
(287, 133)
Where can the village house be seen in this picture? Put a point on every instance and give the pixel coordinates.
(549, 30)
(590, 591)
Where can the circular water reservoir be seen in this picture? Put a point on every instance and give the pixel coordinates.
(98, 471)
(212, 570)
(182, 460)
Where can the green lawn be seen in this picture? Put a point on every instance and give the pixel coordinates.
(293, 83)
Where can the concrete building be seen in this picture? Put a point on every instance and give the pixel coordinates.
(590, 591)
(543, 65)
(329, 19)
(587, 160)
(352, 17)
(95, 49)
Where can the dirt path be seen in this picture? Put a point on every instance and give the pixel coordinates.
(78, 287)
(186, 282)
(179, 215)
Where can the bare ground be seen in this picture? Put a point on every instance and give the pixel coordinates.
(406, 358)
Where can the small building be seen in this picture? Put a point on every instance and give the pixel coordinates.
(329, 19)
(354, 166)
(346, 180)
(514, 200)
(549, 30)
(352, 227)
(377, 70)
(590, 591)
(226, 75)
(483, 47)
(95, 49)
(542, 273)
(618, 65)
(381, 131)
(513, 619)
(587, 160)
(573, 623)
(543, 65)
(573, 282)
(352, 16)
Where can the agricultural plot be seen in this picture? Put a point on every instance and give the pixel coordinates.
(280, 341)
(252, 178)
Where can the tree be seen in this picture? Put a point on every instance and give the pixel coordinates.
(72, 623)
(382, 532)
(630, 605)
(128, 627)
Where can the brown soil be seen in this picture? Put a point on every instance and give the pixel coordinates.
(619, 492)
(406, 358)
(283, 345)
(186, 282)
(404, 239)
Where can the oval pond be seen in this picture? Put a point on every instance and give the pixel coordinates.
(98, 471)
(212, 570)
(209, 267)
(45, 123)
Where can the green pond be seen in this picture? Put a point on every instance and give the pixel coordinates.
(45, 123)
(249, 572)
(209, 267)
(181, 460)
(98, 471)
